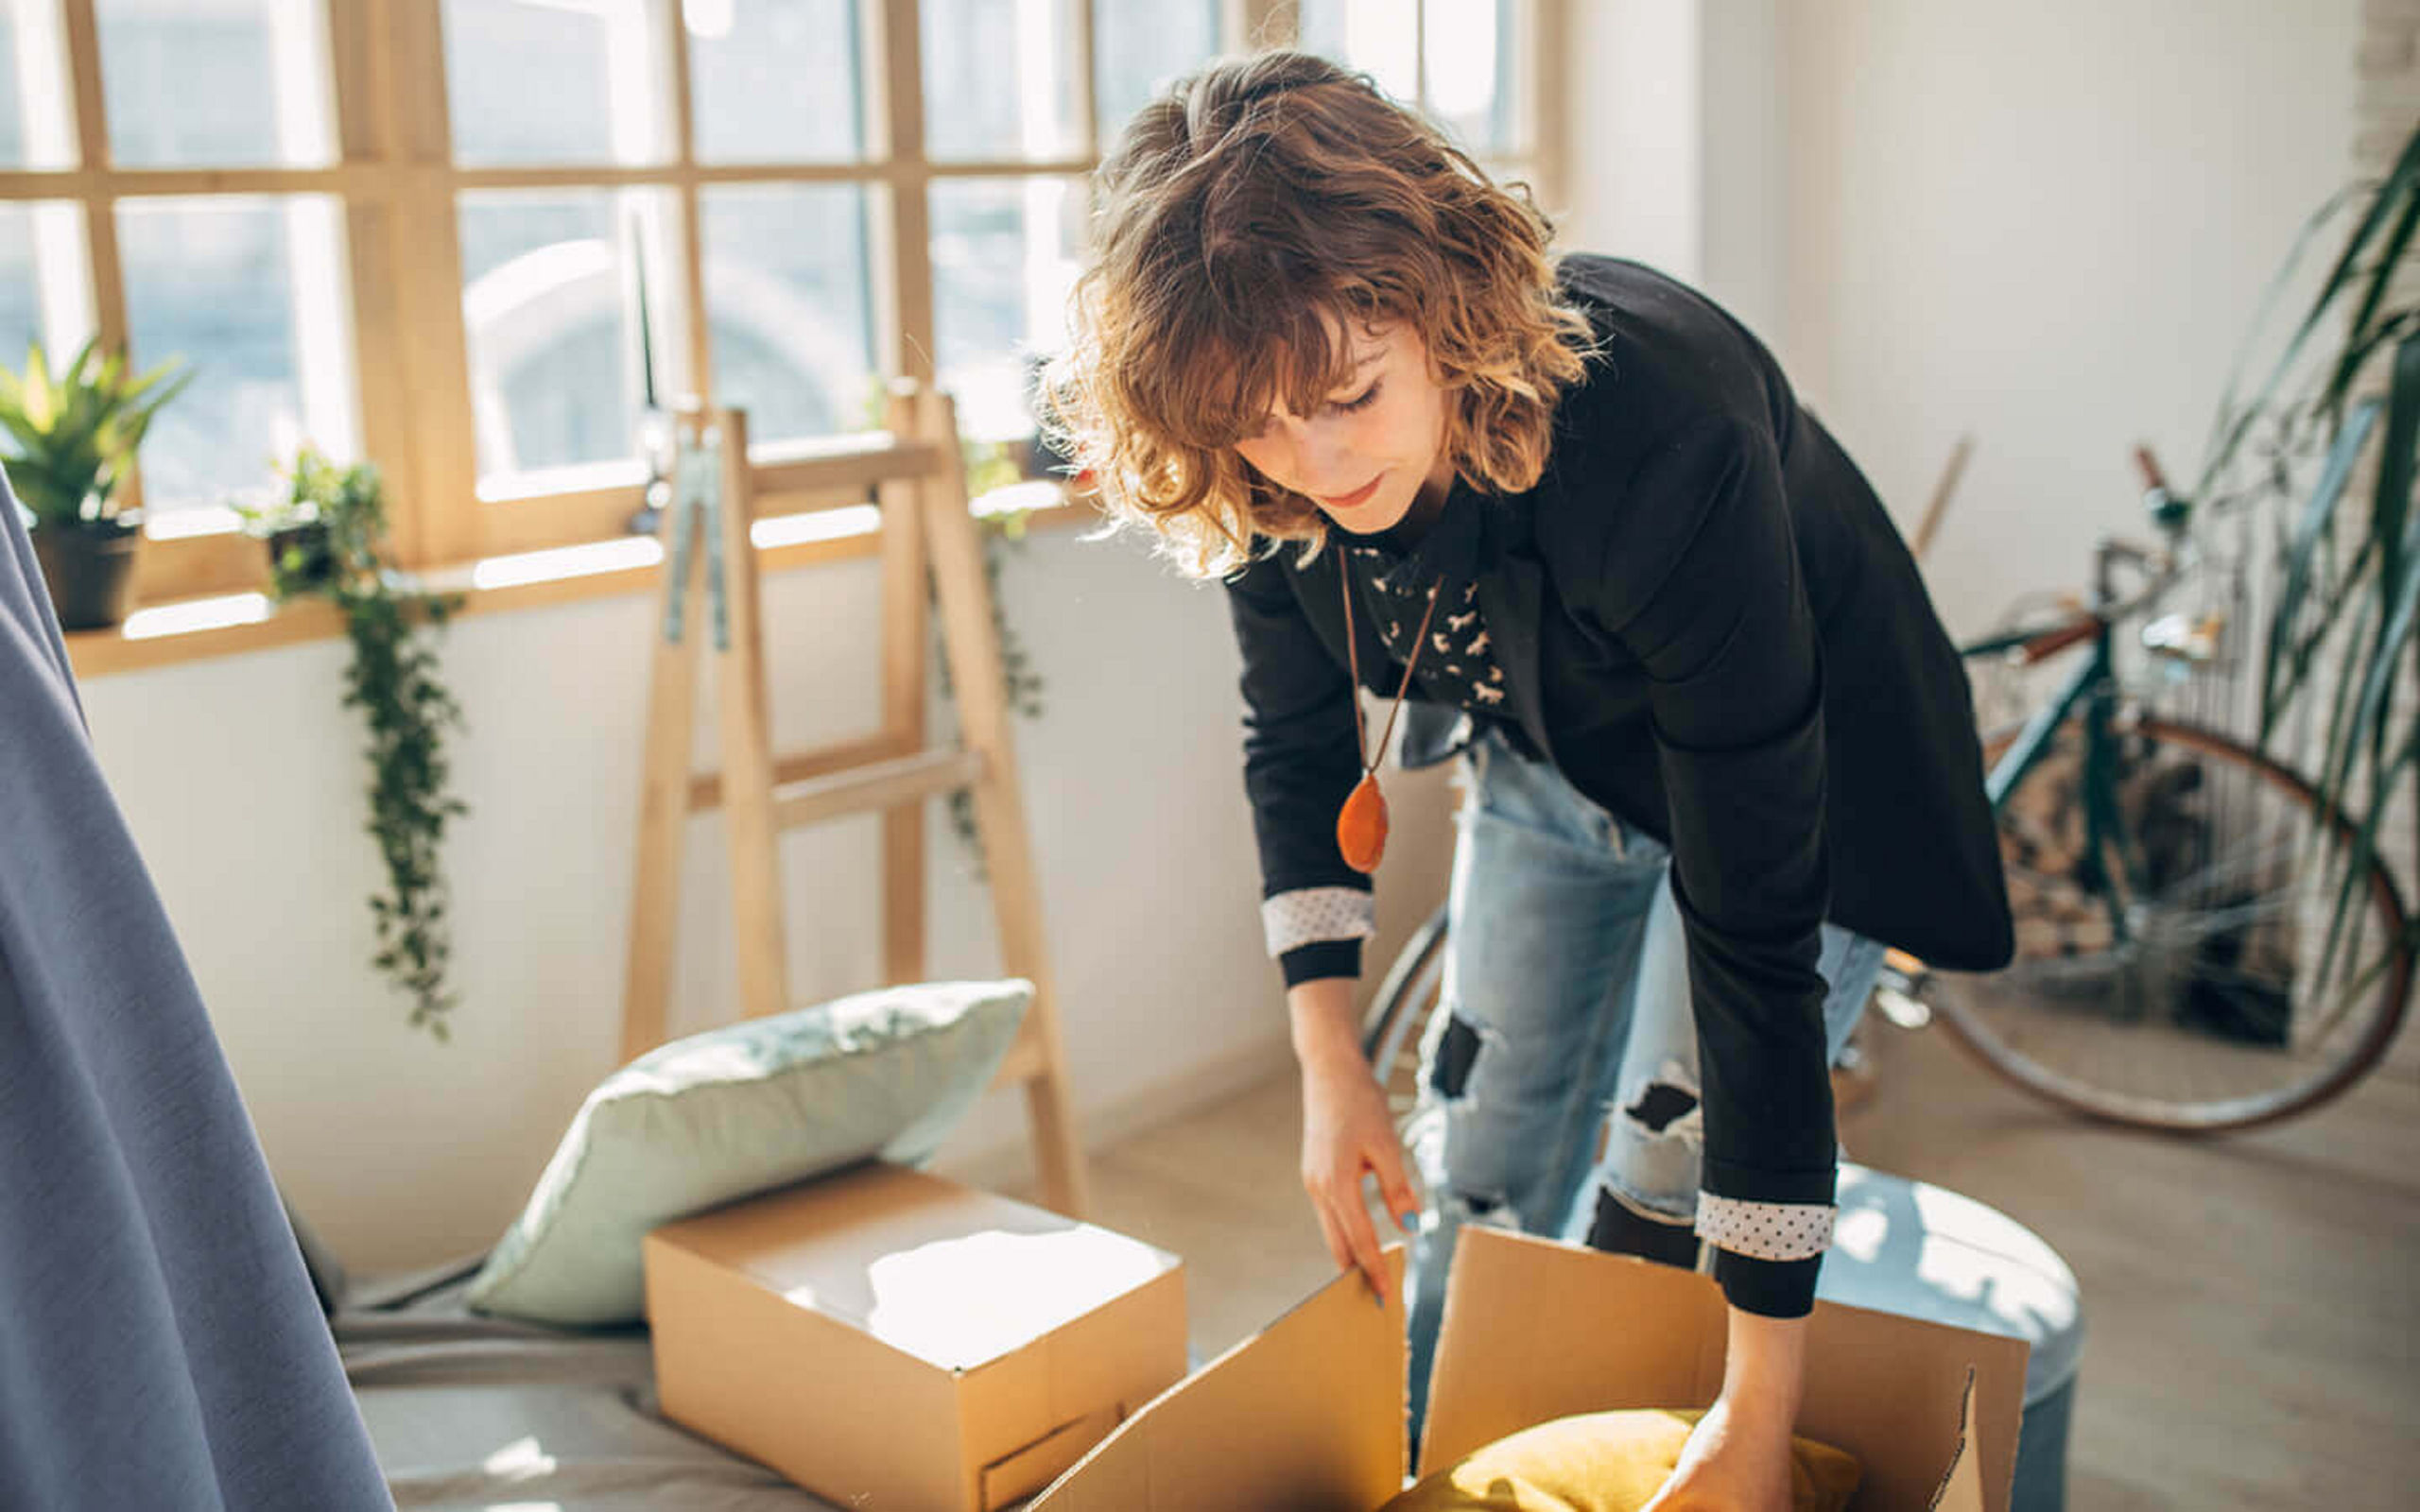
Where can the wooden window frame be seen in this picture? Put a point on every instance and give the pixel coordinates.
(397, 187)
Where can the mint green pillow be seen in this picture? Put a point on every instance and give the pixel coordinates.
(738, 1110)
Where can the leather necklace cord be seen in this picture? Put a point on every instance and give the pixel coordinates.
(1353, 655)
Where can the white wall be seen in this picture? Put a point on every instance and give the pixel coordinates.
(1636, 164)
(2042, 224)
(1743, 125)
(1677, 145)
(2048, 224)
(242, 780)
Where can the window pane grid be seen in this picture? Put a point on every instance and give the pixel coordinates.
(539, 81)
(45, 290)
(769, 200)
(37, 125)
(239, 289)
(999, 78)
(1004, 257)
(227, 85)
(788, 286)
(775, 80)
(1465, 62)
(549, 296)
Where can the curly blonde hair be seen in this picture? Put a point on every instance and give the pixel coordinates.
(1244, 216)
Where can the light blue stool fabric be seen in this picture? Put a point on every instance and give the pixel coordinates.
(1920, 1251)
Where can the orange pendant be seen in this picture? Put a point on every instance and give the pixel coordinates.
(1361, 826)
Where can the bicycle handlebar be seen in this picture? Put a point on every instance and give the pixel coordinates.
(2148, 465)
(2051, 643)
(2107, 609)
(2160, 566)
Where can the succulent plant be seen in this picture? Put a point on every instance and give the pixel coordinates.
(71, 436)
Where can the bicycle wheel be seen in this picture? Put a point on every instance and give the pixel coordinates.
(1394, 1026)
(2206, 1011)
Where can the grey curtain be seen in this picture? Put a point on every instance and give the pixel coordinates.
(160, 1346)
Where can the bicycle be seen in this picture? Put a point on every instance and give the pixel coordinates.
(2171, 904)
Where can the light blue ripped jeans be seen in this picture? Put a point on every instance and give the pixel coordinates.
(1560, 1089)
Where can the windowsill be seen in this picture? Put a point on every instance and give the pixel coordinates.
(232, 624)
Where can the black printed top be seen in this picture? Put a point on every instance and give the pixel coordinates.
(1457, 665)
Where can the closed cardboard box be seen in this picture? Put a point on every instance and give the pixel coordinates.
(896, 1342)
(1308, 1415)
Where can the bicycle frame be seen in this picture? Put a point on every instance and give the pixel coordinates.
(2093, 686)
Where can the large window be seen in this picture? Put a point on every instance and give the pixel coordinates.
(464, 239)
(1471, 64)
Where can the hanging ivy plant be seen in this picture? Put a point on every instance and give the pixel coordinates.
(328, 539)
(990, 465)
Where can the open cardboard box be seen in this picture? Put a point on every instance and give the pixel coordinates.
(1308, 1415)
(897, 1342)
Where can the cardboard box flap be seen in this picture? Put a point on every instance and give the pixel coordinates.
(949, 1275)
(1535, 1331)
(1962, 1485)
(1015, 1476)
(1111, 1360)
(1306, 1416)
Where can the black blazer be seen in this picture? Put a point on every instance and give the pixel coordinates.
(1708, 623)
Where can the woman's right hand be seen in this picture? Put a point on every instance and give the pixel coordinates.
(1347, 1130)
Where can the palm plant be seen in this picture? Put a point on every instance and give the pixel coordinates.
(74, 436)
(2346, 580)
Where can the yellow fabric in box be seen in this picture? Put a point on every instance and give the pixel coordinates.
(1605, 1462)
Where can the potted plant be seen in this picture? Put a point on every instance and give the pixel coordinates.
(300, 558)
(72, 437)
(332, 524)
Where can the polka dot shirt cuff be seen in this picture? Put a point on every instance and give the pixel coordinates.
(1764, 1230)
(1307, 916)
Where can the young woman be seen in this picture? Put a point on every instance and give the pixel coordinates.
(1716, 747)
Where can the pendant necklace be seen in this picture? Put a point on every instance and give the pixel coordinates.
(1362, 824)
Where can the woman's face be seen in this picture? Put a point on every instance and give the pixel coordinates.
(1376, 443)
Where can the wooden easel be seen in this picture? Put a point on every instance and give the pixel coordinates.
(711, 604)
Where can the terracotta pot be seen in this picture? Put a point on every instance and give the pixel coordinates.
(90, 573)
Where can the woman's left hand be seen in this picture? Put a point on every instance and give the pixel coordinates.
(1738, 1457)
(1735, 1461)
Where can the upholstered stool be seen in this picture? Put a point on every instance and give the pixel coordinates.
(1902, 1246)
